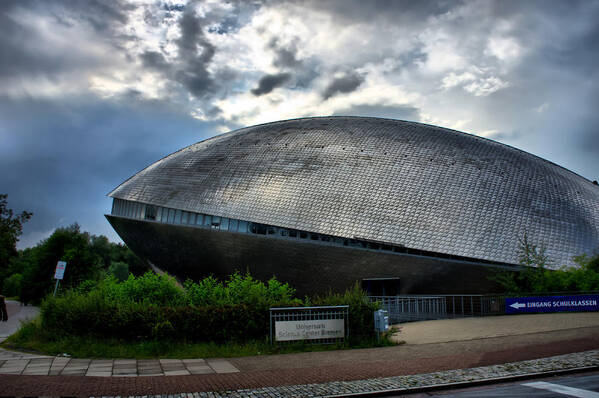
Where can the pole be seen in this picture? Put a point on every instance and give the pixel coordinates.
(56, 287)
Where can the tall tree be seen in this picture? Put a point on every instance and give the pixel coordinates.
(11, 227)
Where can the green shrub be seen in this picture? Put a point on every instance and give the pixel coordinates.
(361, 319)
(154, 307)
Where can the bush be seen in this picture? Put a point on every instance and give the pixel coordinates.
(361, 319)
(155, 307)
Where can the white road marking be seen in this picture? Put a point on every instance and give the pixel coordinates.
(574, 392)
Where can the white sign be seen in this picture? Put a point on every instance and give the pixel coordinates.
(59, 273)
(309, 330)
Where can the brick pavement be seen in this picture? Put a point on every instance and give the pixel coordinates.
(363, 370)
(302, 374)
(18, 363)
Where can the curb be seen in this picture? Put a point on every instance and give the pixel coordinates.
(466, 384)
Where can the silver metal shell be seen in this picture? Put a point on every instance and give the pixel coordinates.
(405, 183)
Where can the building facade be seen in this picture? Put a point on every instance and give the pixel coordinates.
(324, 202)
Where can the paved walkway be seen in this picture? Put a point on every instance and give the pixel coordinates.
(17, 313)
(333, 372)
(447, 330)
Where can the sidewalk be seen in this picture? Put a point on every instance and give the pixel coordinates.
(357, 370)
(16, 314)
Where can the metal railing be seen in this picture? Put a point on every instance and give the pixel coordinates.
(406, 308)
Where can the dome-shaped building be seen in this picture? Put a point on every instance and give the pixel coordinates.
(323, 202)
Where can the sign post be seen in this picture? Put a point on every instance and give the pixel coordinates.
(59, 273)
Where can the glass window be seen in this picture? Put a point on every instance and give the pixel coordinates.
(215, 222)
(284, 232)
(150, 212)
(184, 217)
(303, 235)
(314, 236)
(325, 238)
(243, 226)
(224, 224)
(171, 216)
(207, 220)
(233, 225)
(259, 229)
(199, 219)
(177, 216)
(271, 230)
(192, 218)
(293, 233)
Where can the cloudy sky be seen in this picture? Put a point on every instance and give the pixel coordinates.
(93, 91)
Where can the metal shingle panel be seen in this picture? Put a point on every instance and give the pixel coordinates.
(406, 183)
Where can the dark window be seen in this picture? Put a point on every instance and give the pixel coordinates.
(150, 212)
(271, 230)
(284, 232)
(325, 238)
(292, 233)
(259, 229)
(314, 236)
(303, 235)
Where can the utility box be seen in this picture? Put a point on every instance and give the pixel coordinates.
(381, 321)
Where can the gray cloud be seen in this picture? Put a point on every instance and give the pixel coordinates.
(384, 111)
(154, 60)
(64, 160)
(344, 84)
(269, 82)
(285, 57)
(195, 53)
(24, 51)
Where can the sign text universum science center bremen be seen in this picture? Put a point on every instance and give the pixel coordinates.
(518, 305)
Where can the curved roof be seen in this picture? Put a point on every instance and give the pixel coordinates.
(410, 184)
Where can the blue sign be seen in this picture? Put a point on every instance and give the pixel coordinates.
(521, 305)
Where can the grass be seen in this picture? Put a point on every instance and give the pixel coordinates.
(31, 337)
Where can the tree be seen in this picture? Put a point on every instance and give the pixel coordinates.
(11, 227)
(533, 278)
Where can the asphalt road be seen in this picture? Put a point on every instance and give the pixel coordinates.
(583, 385)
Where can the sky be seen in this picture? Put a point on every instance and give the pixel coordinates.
(93, 91)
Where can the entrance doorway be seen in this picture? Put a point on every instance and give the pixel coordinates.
(381, 286)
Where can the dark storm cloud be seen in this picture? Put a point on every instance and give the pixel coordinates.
(398, 11)
(285, 57)
(22, 51)
(154, 60)
(269, 82)
(102, 15)
(344, 84)
(195, 53)
(384, 111)
(63, 161)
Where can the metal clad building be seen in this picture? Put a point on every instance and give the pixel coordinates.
(361, 197)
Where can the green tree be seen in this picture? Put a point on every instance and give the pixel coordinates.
(67, 244)
(120, 270)
(11, 227)
(534, 277)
